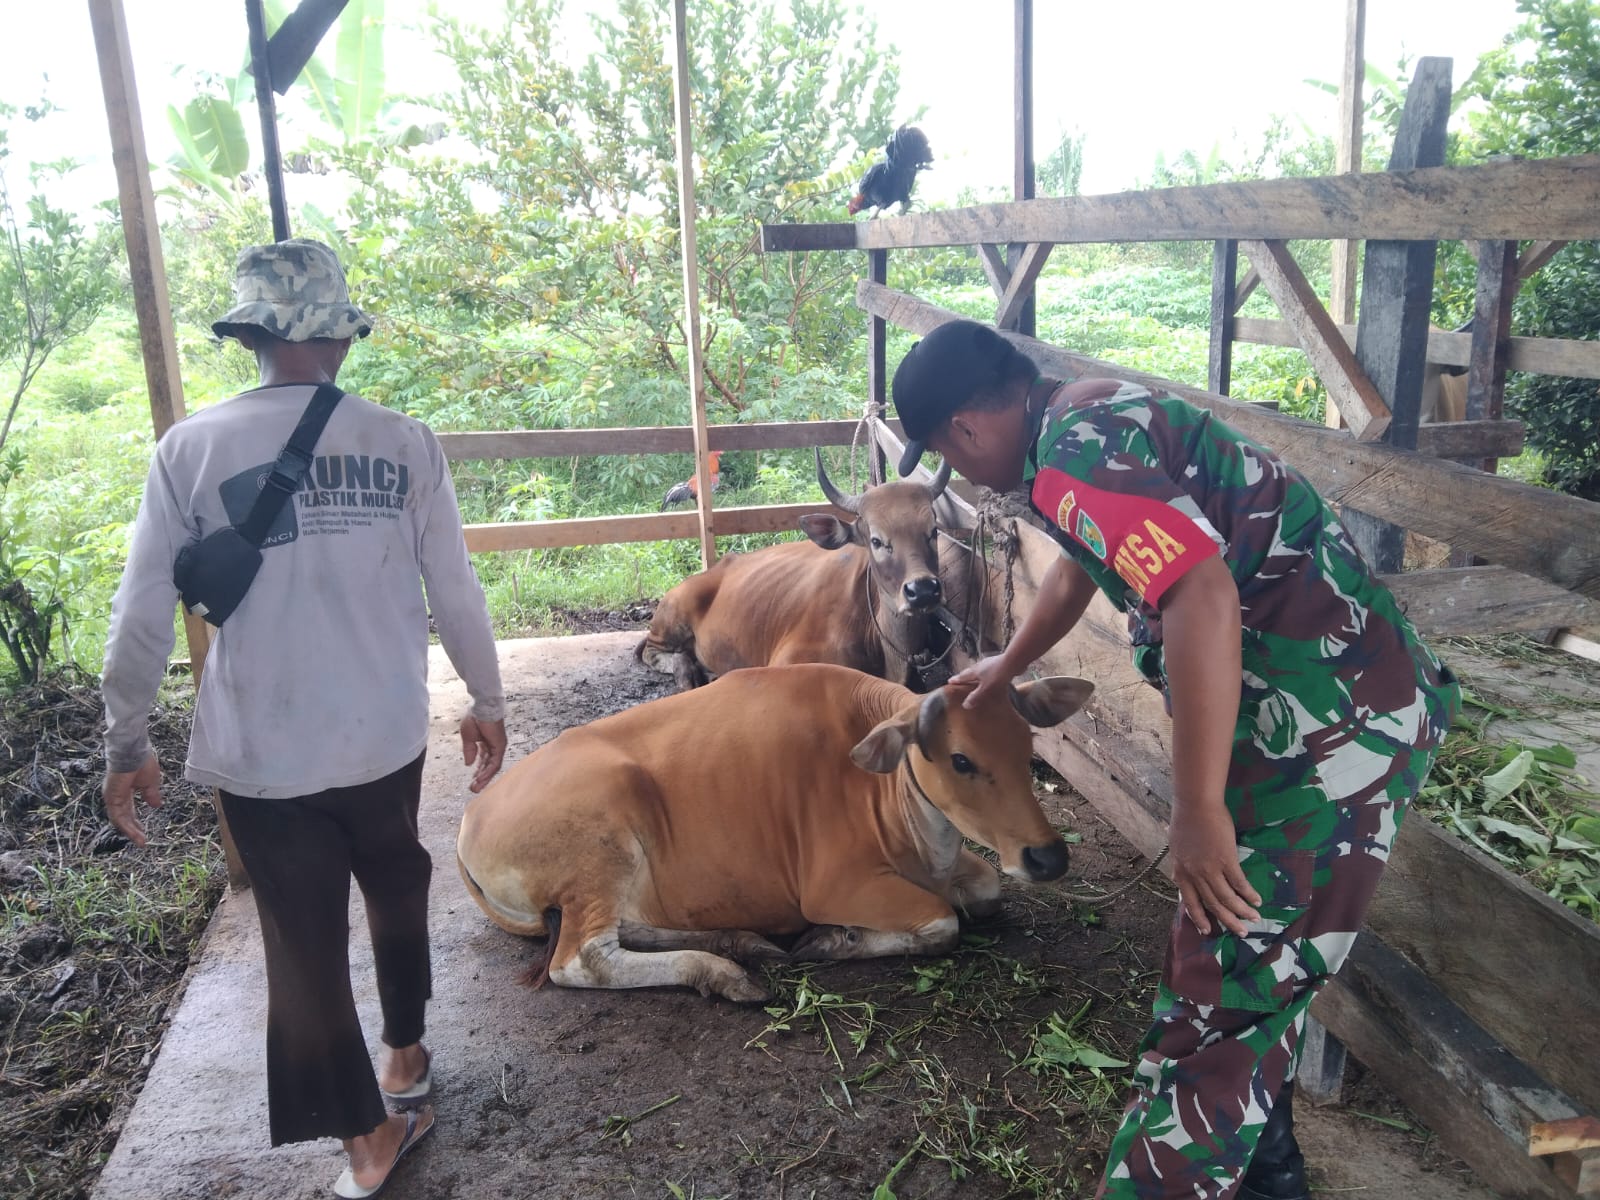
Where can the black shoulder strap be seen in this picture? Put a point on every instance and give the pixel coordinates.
(284, 478)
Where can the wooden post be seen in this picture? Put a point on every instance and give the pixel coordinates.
(1023, 183)
(1347, 161)
(1491, 333)
(1224, 265)
(1396, 292)
(148, 273)
(271, 160)
(691, 278)
(877, 362)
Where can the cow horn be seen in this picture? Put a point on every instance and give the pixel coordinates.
(850, 504)
(940, 481)
(928, 715)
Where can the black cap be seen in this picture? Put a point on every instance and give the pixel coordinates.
(940, 374)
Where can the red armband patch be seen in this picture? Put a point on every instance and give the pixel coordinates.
(1150, 544)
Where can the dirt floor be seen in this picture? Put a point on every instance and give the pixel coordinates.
(973, 1076)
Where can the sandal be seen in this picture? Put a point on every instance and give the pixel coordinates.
(346, 1187)
(418, 1091)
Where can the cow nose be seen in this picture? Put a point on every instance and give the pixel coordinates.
(920, 593)
(1045, 862)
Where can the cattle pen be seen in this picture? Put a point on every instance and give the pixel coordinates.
(1472, 995)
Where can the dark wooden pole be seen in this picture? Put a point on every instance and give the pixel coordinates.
(1491, 334)
(271, 159)
(1023, 184)
(1224, 266)
(877, 359)
(1396, 295)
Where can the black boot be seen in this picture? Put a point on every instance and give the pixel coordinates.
(1278, 1171)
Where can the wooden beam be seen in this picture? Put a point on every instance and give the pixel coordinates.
(1347, 153)
(877, 359)
(1019, 288)
(1479, 600)
(1528, 529)
(1396, 297)
(1560, 1137)
(1363, 409)
(1247, 288)
(993, 260)
(1478, 1099)
(1544, 198)
(1536, 356)
(1535, 257)
(1471, 441)
(1491, 334)
(271, 159)
(684, 146)
(152, 306)
(1219, 359)
(643, 527)
(659, 439)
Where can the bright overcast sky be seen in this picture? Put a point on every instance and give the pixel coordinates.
(1158, 76)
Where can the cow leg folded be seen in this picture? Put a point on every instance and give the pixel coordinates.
(886, 915)
(974, 887)
(601, 962)
(738, 944)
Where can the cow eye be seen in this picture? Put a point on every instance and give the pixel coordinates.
(963, 764)
(877, 543)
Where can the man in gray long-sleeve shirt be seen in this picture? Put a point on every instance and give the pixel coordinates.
(312, 717)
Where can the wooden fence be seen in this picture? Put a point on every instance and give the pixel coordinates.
(1472, 994)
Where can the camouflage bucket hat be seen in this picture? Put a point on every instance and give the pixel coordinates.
(294, 290)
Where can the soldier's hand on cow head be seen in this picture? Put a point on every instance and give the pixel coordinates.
(1047, 702)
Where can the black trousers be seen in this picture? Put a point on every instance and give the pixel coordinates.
(300, 854)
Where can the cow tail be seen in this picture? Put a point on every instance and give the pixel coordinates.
(538, 972)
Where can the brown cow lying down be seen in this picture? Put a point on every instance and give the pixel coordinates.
(861, 594)
(655, 845)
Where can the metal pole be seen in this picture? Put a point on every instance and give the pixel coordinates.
(271, 160)
(691, 278)
(1023, 102)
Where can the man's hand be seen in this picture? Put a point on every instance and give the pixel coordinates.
(120, 790)
(983, 677)
(1205, 866)
(484, 743)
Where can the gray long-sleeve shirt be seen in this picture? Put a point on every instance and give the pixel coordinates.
(319, 678)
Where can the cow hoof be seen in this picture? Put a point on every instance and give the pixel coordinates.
(827, 942)
(743, 989)
(752, 947)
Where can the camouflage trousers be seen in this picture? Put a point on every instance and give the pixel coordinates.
(1230, 1012)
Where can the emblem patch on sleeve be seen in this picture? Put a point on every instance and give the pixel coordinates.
(1089, 534)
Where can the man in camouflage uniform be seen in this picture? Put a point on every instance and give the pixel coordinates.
(1289, 785)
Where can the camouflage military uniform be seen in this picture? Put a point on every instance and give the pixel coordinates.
(1341, 708)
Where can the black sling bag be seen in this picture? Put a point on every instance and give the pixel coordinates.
(214, 572)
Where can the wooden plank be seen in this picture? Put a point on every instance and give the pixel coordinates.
(1559, 1137)
(684, 150)
(1478, 600)
(1471, 441)
(1219, 361)
(993, 260)
(663, 439)
(1396, 296)
(1535, 356)
(1247, 288)
(1322, 1060)
(1363, 409)
(1518, 963)
(1491, 334)
(152, 307)
(1478, 1099)
(1019, 289)
(1529, 529)
(642, 527)
(877, 359)
(1535, 257)
(1347, 154)
(1550, 198)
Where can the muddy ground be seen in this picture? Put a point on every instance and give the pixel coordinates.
(959, 1077)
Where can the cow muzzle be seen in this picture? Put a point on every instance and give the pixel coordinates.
(1044, 863)
(922, 593)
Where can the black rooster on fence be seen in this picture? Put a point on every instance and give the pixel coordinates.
(906, 152)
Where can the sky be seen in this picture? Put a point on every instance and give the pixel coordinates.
(1160, 76)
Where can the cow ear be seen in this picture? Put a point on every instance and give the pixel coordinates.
(1046, 702)
(827, 531)
(882, 750)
